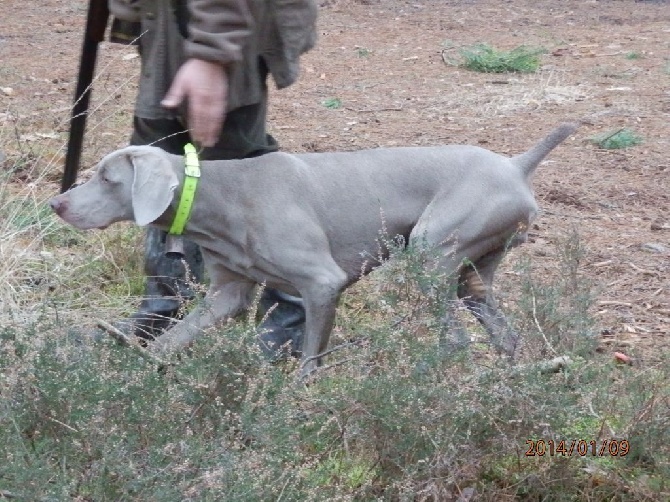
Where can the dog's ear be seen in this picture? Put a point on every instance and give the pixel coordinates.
(154, 183)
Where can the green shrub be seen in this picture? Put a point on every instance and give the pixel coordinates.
(486, 59)
(389, 417)
(613, 140)
(332, 103)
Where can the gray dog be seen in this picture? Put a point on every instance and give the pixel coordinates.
(308, 224)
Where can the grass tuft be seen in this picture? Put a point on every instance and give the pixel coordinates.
(332, 103)
(362, 52)
(614, 140)
(484, 58)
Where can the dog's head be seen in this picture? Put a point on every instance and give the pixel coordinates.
(133, 184)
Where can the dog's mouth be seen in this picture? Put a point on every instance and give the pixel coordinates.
(80, 224)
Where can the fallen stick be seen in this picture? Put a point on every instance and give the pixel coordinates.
(126, 341)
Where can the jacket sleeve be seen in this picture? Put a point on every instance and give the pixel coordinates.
(218, 30)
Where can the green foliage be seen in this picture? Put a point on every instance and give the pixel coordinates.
(332, 103)
(614, 140)
(390, 417)
(558, 312)
(484, 58)
(362, 52)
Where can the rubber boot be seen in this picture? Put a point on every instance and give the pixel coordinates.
(167, 288)
(282, 330)
(125, 32)
(167, 285)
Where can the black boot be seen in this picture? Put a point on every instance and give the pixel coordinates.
(125, 32)
(282, 332)
(167, 286)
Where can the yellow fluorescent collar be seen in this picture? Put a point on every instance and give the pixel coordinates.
(192, 174)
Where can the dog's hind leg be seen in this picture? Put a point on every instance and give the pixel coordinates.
(475, 290)
(453, 335)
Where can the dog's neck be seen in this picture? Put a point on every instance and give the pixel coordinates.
(164, 221)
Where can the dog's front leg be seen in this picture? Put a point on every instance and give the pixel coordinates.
(220, 303)
(320, 317)
(320, 299)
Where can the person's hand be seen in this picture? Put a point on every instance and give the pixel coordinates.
(204, 85)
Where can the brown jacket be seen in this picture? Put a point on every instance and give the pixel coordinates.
(235, 33)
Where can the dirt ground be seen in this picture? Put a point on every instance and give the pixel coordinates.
(607, 63)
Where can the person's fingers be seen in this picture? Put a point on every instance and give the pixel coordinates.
(175, 95)
(204, 86)
(206, 111)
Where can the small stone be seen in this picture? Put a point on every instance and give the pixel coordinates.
(660, 225)
(467, 494)
(7, 91)
(654, 247)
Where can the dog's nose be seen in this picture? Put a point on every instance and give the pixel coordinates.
(57, 204)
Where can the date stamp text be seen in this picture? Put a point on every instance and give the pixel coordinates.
(577, 447)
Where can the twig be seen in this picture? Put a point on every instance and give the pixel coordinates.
(577, 216)
(281, 494)
(593, 412)
(325, 368)
(614, 303)
(602, 263)
(537, 323)
(642, 270)
(68, 427)
(334, 365)
(330, 351)
(602, 140)
(606, 54)
(145, 354)
(124, 340)
(115, 333)
(399, 321)
(195, 412)
(372, 110)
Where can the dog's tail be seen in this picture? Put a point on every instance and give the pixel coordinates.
(528, 161)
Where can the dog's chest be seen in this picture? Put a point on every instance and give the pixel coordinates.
(246, 264)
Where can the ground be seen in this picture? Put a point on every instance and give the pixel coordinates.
(391, 65)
